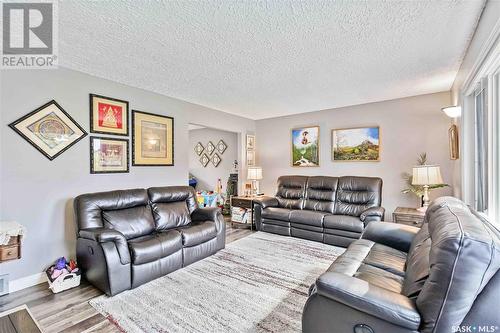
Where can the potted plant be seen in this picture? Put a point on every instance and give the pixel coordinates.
(418, 190)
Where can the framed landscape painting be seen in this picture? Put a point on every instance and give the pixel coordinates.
(49, 129)
(356, 144)
(305, 147)
(108, 155)
(152, 139)
(108, 115)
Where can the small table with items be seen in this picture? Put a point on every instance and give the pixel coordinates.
(242, 210)
(408, 216)
(10, 240)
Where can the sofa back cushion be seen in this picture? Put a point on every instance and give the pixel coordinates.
(417, 263)
(356, 194)
(291, 191)
(464, 255)
(126, 211)
(320, 193)
(172, 206)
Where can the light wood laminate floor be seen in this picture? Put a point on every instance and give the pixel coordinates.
(69, 311)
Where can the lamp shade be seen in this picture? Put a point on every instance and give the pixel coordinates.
(427, 175)
(254, 173)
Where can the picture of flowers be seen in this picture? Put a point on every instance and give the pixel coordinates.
(305, 146)
(356, 144)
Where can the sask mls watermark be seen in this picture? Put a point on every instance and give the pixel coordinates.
(29, 35)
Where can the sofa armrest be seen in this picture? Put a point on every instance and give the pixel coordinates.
(208, 214)
(266, 202)
(397, 236)
(372, 214)
(373, 300)
(104, 235)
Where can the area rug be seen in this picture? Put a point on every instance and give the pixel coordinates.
(256, 284)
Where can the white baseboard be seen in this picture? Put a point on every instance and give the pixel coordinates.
(27, 281)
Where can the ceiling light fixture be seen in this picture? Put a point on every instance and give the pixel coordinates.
(452, 111)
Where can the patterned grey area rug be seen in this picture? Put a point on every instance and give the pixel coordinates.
(256, 284)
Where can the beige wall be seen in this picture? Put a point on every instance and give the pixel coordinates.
(408, 126)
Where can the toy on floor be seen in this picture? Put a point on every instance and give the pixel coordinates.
(63, 275)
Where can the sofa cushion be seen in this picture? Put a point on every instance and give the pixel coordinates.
(464, 255)
(198, 232)
(291, 191)
(276, 222)
(169, 215)
(275, 213)
(356, 194)
(320, 193)
(152, 247)
(387, 258)
(131, 222)
(308, 217)
(343, 222)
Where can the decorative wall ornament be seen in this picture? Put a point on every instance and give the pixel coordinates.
(215, 159)
(152, 139)
(305, 146)
(210, 148)
(204, 159)
(49, 129)
(199, 148)
(108, 155)
(108, 115)
(221, 146)
(356, 144)
(454, 145)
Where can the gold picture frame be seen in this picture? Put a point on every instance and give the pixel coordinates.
(454, 142)
(305, 147)
(152, 139)
(108, 115)
(356, 144)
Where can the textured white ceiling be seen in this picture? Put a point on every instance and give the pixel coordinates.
(263, 59)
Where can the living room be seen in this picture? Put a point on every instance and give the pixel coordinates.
(222, 166)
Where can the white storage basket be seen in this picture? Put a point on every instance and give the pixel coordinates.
(65, 282)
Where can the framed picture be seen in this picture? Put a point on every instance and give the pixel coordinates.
(305, 146)
(204, 159)
(250, 142)
(221, 146)
(250, 158)
(215, 159)
(454, 143)
(210, 148)
(49, 129)
(108, 115)
(108, 155)
(356, 144)
(152, 139)
(199, 148)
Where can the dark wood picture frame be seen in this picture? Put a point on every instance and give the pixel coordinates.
(33, 144)
(134, 113)
(92, 170)
(126, 122)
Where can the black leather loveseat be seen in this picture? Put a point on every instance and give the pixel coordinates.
(444, 277)
(333, 210)
(129, 237)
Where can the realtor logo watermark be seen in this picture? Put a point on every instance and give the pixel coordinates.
(29, 35)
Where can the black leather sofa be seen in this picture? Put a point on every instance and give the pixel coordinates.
(129, 237)
(333, 210)
(444, 277)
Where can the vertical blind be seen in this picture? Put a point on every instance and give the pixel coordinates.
(481, 147)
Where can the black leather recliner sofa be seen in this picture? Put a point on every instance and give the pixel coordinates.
(129, 237)
(333, 210)
(444, 277)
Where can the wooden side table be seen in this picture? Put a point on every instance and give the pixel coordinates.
(408, 216)
(243, 202)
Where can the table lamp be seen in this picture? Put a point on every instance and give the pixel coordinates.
(426, 175)
(255, 174)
